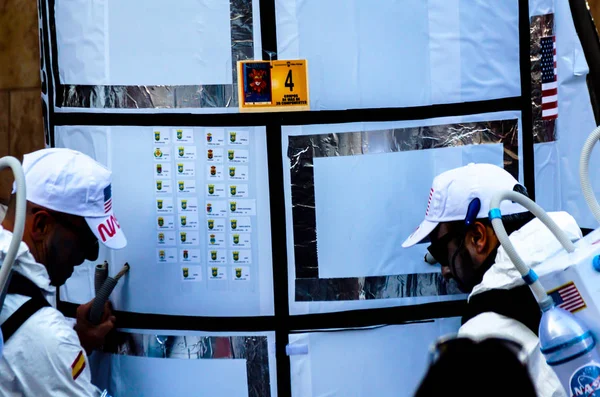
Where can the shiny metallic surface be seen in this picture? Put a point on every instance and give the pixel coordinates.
(541, 26)
(301, 152)
(253, 349)
(172, 97)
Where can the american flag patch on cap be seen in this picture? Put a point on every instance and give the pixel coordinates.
(107, 199)
(567, 297)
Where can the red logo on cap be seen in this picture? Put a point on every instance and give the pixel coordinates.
(429, 202)
(109, 228)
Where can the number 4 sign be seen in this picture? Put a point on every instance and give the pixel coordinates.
(273, 86)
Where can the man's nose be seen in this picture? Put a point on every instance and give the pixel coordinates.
(446, 273)
(92, 252)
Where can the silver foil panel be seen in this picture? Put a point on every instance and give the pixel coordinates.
(540, 26)
(301, 152)
(382, 287)
(171, 97)
(253, 349)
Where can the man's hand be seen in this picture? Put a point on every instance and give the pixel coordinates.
(92, 336)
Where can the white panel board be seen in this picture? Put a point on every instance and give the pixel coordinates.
(402, 53)
(367, 204)
(387, 361)
(194, 206)
(150, 42)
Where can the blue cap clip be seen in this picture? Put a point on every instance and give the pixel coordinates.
(495, 214)
(530, 277)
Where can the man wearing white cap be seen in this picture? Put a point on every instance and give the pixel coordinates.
(464, 243)
(69, 210)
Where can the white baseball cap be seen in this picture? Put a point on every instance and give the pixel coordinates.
(71, 182)
(452, 192)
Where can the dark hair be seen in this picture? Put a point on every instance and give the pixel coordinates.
(474, 370)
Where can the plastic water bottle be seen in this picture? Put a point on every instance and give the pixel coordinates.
(570, 349)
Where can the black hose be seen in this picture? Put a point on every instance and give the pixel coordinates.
(101, 297)
(100, 276)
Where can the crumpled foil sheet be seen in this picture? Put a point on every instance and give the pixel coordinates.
(171, 97)
(253, 349)
(541, 26)
(301, 152)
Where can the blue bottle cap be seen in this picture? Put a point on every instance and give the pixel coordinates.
(596, 263)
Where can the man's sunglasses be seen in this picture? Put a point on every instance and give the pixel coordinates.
(439, 248)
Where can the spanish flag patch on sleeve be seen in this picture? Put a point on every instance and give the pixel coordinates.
(78, 365)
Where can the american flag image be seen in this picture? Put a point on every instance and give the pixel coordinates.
(568, 298)
(549, 80)
(107, 199)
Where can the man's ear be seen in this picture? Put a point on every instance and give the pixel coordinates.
(477, 237)
(41, 223)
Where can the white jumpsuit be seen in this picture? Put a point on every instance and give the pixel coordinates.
(534, 243)
(44, 356)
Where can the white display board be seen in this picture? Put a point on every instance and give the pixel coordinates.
(402, 53)
(381, 361)
(151, 42)
(177, 363)
(194, 205)
(365, 185)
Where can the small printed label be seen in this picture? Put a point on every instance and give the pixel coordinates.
(162, 153)
(214, 136)
(217, 273)
(189, 204)
(215, 224)
(166, 255)
(237, 156)
(241, 273)
(186, 168)
(165, 222)
(237, 172)
(214, 155)
(164, 205)
(242, 207)
(189, 238)
(186, 186)
(240, 240)
(216, 239)
(191, 273)
(165, 238)
(163, 186)
(189, 255)
(185, 152)
(241, 224)
(216, 208)
(235, 191)
(214, 172)
(215, 190)
(238, 137)
(241, 256)
(217, 256)
(188, 221)
(183, 135)
(161, 136)
(162, 170)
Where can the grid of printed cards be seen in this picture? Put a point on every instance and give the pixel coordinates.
(205, 205)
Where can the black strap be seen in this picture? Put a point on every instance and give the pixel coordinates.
(22, 286)
(516, 303)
